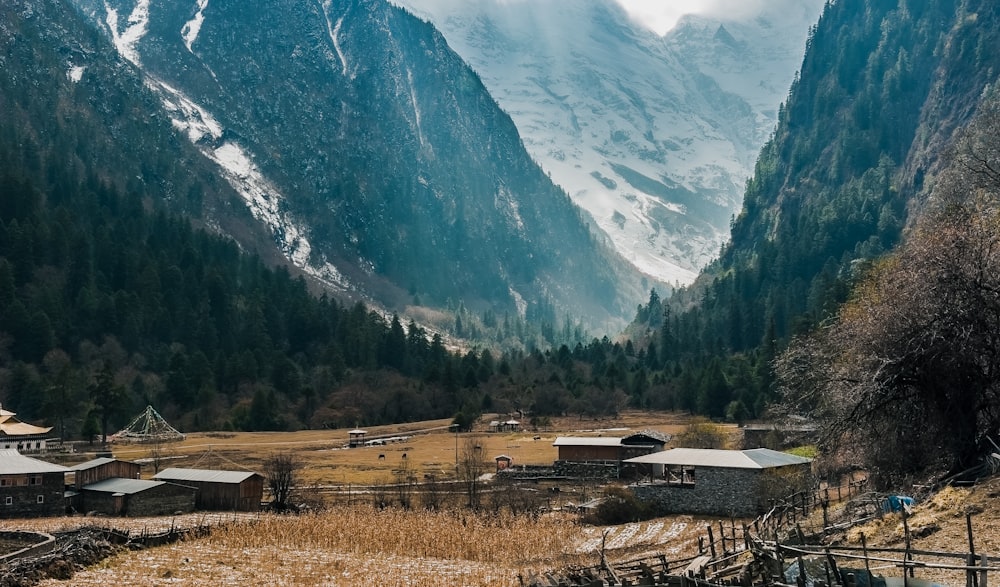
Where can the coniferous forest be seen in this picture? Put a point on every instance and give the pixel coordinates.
(106, 291)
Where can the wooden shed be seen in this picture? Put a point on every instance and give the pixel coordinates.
(103, 468)
(137, 497)
(503, 462)
(588, 448)
(220, 490)
(356, 438)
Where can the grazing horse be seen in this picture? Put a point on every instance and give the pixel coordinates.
(381, 457)
(404, 455)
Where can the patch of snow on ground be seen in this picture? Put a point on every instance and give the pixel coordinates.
(75, 74)
(192, 27)
(334, 32)
(416, 106)
(138, 24)
(263, 199)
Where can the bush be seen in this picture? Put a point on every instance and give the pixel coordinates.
(620, 506)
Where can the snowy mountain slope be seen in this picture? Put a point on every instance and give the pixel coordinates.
(654, 137)
(342, 123)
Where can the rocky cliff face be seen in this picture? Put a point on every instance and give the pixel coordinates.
(374, 155)
(654, 137)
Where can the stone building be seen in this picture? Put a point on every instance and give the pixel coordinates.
(739, 483)
(137, 497)
(30, 487)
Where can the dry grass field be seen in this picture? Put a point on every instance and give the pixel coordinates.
(362, 545)
(430, 449)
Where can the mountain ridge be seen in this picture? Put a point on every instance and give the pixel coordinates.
(340, 123)
(597, 93)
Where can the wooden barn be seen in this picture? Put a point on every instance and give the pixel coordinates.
(588, 448)
(720, 482)
(220, 490)
(30, 487)
(137, 497)
(103, 468)
(609, 448)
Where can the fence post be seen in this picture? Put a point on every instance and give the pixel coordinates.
(972, 579)
(711, 542)
(826, 517)
(982, 574)
(868, 568)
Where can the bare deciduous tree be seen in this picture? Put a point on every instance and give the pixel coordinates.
(472, 465)
(909, 373)
(280, 470)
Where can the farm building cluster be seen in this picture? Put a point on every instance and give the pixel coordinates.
(31, 487)
(105, 485)
(681, 480)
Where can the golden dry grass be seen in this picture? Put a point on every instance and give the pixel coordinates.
(431, 448)
(361, 545)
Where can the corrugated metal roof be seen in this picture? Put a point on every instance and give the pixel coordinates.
(14, 463)
(767, 458)
(758, 458)
(203, 475)
(120, 485)
(587, 441)
(92, 463)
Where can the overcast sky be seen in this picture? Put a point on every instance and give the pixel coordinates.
(661, 15)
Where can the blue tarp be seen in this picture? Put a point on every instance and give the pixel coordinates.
(896, 503)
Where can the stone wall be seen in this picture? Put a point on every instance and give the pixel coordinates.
(716, 492)
(156, 501)
(24, 499)
(725, 492)
(162, 505)
(39, 543)
(586, 469)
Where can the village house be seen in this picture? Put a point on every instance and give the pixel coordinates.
(604, 456)
(21, 436)
(30, 487)
(739, 483)
(219, 490)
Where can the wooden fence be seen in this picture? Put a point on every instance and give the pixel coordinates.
(760, 552)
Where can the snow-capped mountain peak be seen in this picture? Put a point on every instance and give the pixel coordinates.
(653, 136)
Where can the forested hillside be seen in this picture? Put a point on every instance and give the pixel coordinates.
(883, 87)
(109, 297)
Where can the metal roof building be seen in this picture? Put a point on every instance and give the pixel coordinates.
(14, 463)
(756, 458)
(137, 497)
(30, 487)
(220, 490)
(720, 482)
(103, 468)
